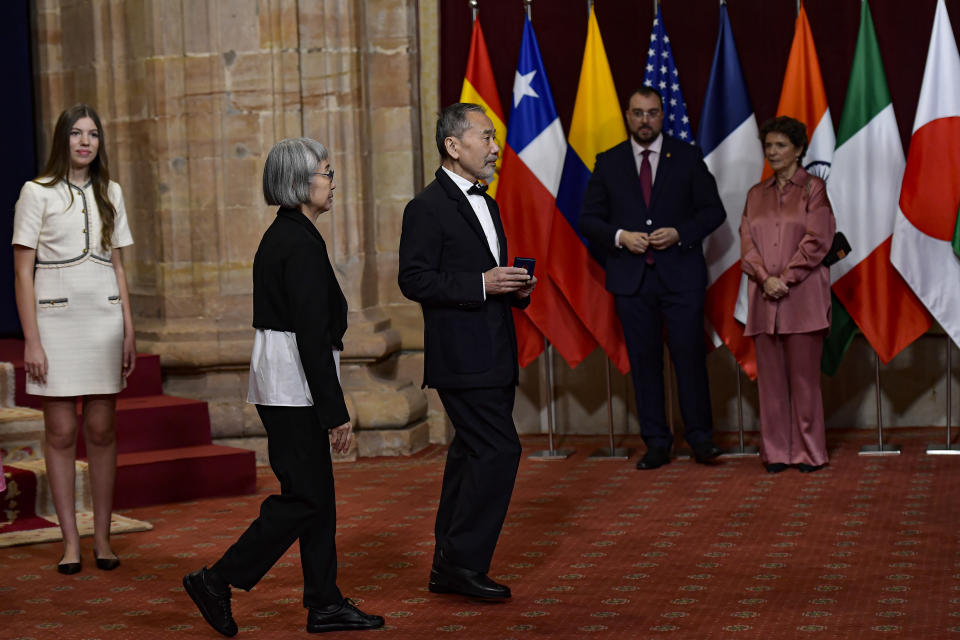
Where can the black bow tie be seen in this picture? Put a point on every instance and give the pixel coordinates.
(477, 189)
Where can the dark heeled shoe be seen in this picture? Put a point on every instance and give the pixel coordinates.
(776, 467)
(69, 568)
(106, 564)
(809, 468)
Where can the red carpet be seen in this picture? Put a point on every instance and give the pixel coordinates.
(592, 549)
(18, 503)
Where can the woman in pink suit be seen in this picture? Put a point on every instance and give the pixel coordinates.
(786, 230)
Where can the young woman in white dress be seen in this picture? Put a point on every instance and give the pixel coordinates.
(69, 226)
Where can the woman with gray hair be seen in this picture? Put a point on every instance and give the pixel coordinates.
(300, 316)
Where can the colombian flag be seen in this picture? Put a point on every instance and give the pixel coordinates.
(596, 126)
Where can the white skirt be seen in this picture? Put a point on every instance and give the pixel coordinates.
(81, 330)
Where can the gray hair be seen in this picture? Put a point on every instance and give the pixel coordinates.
(453, 123)
(290, 165)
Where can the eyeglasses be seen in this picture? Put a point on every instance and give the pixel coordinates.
(328, 175)
(653, 114)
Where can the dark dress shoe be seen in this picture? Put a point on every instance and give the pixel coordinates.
(341, 617)
(654, 459)
(705, 452)
(106, 564)
(809, 468)
(776, 467)
(445, 578)
(69, 568)
(212, 597)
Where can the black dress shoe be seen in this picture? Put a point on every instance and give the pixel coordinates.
(341, 617)
(809, 468)
(106, 564)
(776, 467)
(446, 578)
(212, 597)
(69, 568)
(654, 458)
(705, 452)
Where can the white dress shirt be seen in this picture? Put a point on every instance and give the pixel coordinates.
(276, 373)
(653, 157)
(480, 208)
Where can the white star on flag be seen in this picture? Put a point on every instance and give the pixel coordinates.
(661, 72)
(521, 86)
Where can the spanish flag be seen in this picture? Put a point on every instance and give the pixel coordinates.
(480, 88)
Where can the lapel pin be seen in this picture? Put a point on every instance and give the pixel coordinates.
(668, 154)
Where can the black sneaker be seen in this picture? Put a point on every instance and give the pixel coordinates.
(212, 597)
(341, 617)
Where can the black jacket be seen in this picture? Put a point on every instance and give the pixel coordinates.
(468, 341)
(295, 289)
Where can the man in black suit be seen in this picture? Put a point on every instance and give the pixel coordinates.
(648, 206)
(453, 253)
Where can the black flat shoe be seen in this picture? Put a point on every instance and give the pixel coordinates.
(654, 459)
(212, 598)
(343, 617)
(776, 467)
(106, 564)
(802, 467)
(69, 568)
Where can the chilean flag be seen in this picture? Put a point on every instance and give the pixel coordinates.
(529, 177)
(728, 135)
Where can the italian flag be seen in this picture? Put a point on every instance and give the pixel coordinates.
(864, 187)
(925, 241)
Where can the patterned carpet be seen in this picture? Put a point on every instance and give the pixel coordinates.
(592, 549)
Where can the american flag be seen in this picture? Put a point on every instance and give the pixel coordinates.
(661, 74)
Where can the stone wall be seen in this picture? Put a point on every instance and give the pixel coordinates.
(193, 95)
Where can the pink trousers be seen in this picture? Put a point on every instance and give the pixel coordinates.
(791, 405)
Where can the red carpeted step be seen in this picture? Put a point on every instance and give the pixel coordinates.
(146, 379)
(158, 422)
(186, 473)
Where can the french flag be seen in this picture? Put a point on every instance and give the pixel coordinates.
(527, 195)
(728, 135)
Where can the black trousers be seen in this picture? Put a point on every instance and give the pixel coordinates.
(299, 451)
(479, 475)
(644, 316)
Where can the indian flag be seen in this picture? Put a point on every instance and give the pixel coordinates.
(804, 98)
(864, 187)
(925, 228)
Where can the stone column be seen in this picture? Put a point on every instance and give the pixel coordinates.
(193, 94)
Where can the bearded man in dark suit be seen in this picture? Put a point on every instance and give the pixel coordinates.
(648, 206)
(453, 253)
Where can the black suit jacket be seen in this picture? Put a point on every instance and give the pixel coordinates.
(684, 196)
(468, 341)
(295, 289)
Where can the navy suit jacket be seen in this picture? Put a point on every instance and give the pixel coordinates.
(684, 196)
(468, 341)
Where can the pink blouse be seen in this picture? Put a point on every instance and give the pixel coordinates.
(787, 233)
